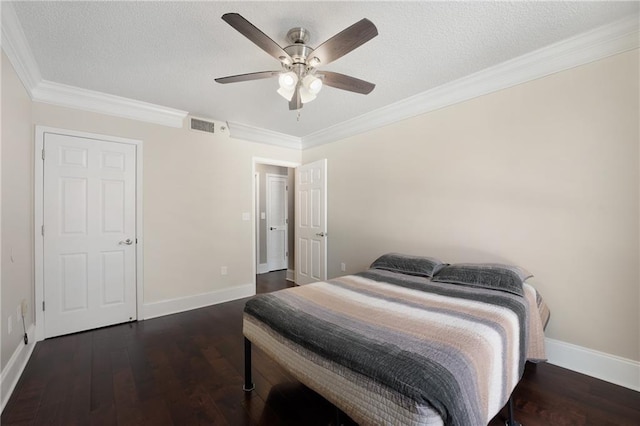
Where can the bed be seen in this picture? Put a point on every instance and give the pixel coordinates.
(411, 341)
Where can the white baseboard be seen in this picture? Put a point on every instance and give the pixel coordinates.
(14, 368)
(603, 366)
(291, 275)
(174, 306)
(262, 268)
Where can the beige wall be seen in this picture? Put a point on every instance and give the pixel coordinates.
(17, 208)
(543, 175)
(196, 187)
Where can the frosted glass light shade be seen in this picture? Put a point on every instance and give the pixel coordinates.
(312, 84)
(306, 95)
(309, 88)
(288, 80)
(286, 93)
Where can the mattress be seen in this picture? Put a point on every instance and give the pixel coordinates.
(390, 348)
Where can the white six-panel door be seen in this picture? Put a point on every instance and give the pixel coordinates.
(89, 216)
(311, 222)
(277, 226)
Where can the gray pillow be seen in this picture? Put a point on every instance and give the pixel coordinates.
(407, 264)
(495, 276)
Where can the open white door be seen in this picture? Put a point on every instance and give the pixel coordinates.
(89, 217)
(311, 222)
(277, 222)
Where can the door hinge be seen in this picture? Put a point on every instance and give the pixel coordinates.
(43, 305)
(286, 187)
(286, 221)
(42, 230)
(286, 254)
(43, 154)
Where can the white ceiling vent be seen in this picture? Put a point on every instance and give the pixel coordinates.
(202, 125)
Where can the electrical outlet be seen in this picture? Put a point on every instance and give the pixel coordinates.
(10, 324)
(343, 267)
(223, 270)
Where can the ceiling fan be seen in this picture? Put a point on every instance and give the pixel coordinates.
(299, 79)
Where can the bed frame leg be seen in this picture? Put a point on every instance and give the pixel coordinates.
(338, 417)
(248, 381)
(511, 421)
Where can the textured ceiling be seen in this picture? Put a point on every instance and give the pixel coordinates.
(168, 53)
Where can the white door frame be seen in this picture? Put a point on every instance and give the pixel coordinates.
(286, 213)
(38, 218)
(256, 219)
(271, 162)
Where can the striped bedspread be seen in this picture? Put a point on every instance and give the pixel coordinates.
(389, 348)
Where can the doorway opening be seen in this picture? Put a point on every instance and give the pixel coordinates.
(274, 224)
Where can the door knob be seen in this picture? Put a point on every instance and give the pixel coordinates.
(321, 234)
(127, 242)
(271, 228)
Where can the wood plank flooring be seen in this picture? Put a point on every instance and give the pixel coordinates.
(186, 369)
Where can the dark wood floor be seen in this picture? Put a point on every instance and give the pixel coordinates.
(186, 369)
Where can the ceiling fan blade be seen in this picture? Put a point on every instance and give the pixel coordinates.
(345, 41)
(345, 82)
(296, 101)
(251, 32)
(247, 77)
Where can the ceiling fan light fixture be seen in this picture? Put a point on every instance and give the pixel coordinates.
(306, 95)
(312, 83)
(288, 80)
(286, 93)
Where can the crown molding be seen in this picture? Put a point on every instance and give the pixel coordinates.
(593, 45)
(590, 46)
(89, 100)
(15, 45)
(257, 134)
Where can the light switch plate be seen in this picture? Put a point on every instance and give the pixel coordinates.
(263, 215)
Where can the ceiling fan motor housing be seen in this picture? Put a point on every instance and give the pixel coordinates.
(298, 51)
(298, 35)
